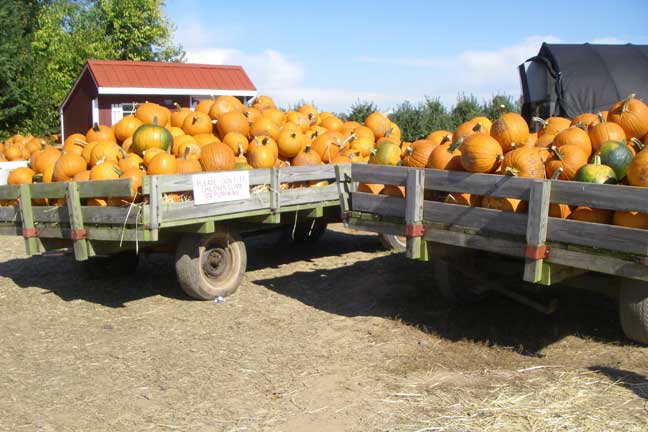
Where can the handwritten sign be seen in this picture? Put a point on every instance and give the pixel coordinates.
(221, 187)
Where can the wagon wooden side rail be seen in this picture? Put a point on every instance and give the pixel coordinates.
(56, 215)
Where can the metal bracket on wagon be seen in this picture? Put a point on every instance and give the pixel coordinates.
(78, 234)
(537, 252)
(29, 232)
(346, 215)
(414, 230)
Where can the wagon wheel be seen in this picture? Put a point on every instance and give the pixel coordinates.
(105, 266)
(309, 231)
(633, 309)
(457, 287)
(210, 265)
(393, 242)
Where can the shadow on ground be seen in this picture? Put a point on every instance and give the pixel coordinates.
(633, 381)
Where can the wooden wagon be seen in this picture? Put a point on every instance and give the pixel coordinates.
(465, 242)
(210, 255)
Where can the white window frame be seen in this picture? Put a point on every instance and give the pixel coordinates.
(121, 110)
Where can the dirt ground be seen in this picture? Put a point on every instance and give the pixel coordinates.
(340, 336)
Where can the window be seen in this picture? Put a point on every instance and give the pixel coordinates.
(119, 111)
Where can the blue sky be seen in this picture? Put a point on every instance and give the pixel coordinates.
(337, 52)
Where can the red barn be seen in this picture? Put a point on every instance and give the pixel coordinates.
(107, 90)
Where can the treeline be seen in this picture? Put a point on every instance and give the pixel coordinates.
(417, 120)
(46, 42)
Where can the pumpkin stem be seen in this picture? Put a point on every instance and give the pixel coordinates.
(177, 105)
(240, 150)
(446, 138)
(293, 135)
(117, 171)
(307, 149)
(640, 146)
(80, 142)
(553, 149)
(194, 119)
(600, 117)
(511, 171)
(454, 146)
(502, 109)
(155, 120)
(95, 127)
(187, 150)
(477, 128)
(626, 103)
(514, 146)
(542, 122)
(556, 174)
(580, 125)
(597, 159)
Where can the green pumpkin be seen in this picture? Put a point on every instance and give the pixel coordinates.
(386, 153)
(149, 136)
(596, 173)
(239, 166)
(617, 156)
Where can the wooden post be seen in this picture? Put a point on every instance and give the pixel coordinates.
(77, 230)
(414, 190)
(27, 219)
(155, 200)
(275, 187)
(536, 233)
(343, 177)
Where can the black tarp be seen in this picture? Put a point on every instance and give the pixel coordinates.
(570, 79)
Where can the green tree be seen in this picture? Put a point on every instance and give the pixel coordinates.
(359, 111)
(493, 108)
(417, 121)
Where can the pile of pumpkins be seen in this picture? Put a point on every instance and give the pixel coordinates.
(220, 134)
(606, 147)
(20, 147)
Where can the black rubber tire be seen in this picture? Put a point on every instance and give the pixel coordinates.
(123, 263)
(309, 231)
(633, 309)
(210, 265)
(393, 242)
(456, 287)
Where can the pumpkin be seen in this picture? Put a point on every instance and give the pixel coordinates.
(533, 139)
(587, 120)
(82, 176)
(224, 104)
(463, 199)
(616, 155)
(524, 162)
(235, 140)
(481, 153)
(551, 126)
(74, 146)
(161, 164)
(149, 154)
(588, 214)
(595, 172)
(510, 205)
(175, 131)
(35, 144)
(470, 127)
(67, 166)
(290, 143)
(605, 131)
(104, 171)
(126, 127)
(187, 165)
(198, 123)
(21, 175)
(276, 116)
(446, 156)
(262, 154)
(132, 161)
(151, 136)
(191, 149)
(393, 191)
(151, 113)
(233, 121)
(251, 113)
(637, 174)
(307, 157)
(264, 126)
(378, 123)
(14, 153)
(637, 145)
(630, 219)
(632, 115)
(206, 138)
(574, 136)
(204, 105)
(394, 132)
(100, 132)
(371, 188)
(267, 141)
(179, 140)
(358, 131)
(74, 139)
(569, 158)
(105, 151)
(97, 202)
(310, 111)
(418, 153)
(328, 145)
(126, 145)
(385, 153)
(178, 116)
(136, 175)
(44, 159)
(508, 129)
(217, 157)
(332, 123)
(263, 102)
(361, 144)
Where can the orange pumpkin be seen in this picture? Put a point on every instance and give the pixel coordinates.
(100, 132)
(236, 141)
(361, 144)
(510, 205)
(370, 188)
(206, 138)
(223, 105)
(301, 120)
(379, 124)
(67, 166)
(630, 219)
(605, 131)
(82, 176)
(510, 128)
(104, 171)
(481, 153)
(307, 157)
(446, 156)
(136, 175)
(545, 140)
(178, 116)
(472, 126)
(105, 151)
(276, 116)
(587, 214)
(261, 154)
(205, 105)
(586, 120)
(161, 164)
(233, 121)
(44, 158)
(638, 170)
(632, 115)
(251, 113)
(568, 159)
(328, 146)
(332, 123)
(263, 102)
(179, 140)
(132, 161)
(217, 157)
(552, 125)
(151, 113)
(21, 175)
(265, 126)
(574, 136)
(198, 123)
(126, 127)
(524, 162)
(418, 153)
(186, 165)
(290, 143)
(464, 199)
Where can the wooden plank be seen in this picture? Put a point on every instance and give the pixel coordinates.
(536, 233)
(377, 226)
(378, 204)
(97, 233)
(475, 241)
(308, 195)
(414, 209)
(76, 220)
(599, 263)
(613, 197)
(91, 215)
(188, 210)
(382, 174)
(184, 182)
(87, 189)
(27, 218)
(601, 236)
(344, 184)
(9, 192)
(275, 189)
(8, 214)
(478, 184)
(155, 201)
(482, 219)
(306, 173)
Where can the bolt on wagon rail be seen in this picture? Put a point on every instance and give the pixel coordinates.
(465, 242)
(210, 255)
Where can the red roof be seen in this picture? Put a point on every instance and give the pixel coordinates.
(112, 73)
